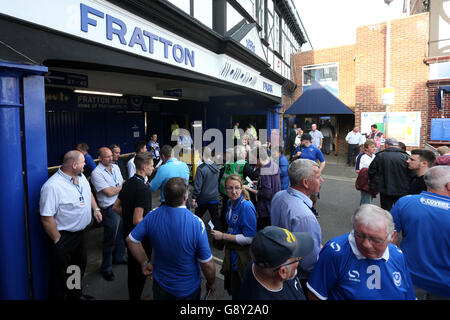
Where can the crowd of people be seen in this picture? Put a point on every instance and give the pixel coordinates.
(263, 217)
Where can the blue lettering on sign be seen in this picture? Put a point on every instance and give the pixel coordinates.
(143, 38)
(267, 87)
(250, 45)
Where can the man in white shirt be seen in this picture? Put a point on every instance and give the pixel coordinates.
(65, 205)
(317, 136)
(139, 147)
(107, 181)
(354, 140)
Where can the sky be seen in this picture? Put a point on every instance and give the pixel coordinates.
(332, 23)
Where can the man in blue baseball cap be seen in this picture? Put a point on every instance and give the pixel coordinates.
(272, 275)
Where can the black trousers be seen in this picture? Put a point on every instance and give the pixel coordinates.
(353, 151)
(70, 250)
(387, 202)
(136, 279)
(213, 209)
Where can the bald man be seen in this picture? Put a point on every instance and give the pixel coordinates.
(66, 206)
(107, 180)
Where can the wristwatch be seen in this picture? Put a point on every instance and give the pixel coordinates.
(98, 209)
(145, 263)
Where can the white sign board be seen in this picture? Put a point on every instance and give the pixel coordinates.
(102, 22)
(403, 126)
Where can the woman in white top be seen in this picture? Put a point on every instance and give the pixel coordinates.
(364, 160)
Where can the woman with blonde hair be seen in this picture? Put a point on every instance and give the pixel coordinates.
(241, 220)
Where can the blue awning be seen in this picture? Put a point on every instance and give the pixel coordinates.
(318, 100)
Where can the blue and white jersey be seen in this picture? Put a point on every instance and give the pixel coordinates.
(241, 219)
(312, 153)
(179, 241)
(424, 221)
(343, 273)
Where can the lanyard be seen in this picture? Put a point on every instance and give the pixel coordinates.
(139, 178)
(230, 210)
(113, 175)
(77, 186)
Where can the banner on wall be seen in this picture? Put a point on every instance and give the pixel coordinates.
(403, 126)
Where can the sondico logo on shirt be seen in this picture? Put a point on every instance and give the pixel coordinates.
(434, 203)
(374, 279)
(353, 275)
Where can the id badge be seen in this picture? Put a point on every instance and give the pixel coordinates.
(82, 202)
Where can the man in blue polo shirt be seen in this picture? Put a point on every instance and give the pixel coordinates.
(171, 168)
(306, 150)
(363, 264)
(180, 247)
(424, 220)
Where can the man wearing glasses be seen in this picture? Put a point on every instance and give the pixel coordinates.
(276, 253)
(362, 264)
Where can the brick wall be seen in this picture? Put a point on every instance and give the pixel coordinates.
(408, 72)
(343, 55)
(362, 69)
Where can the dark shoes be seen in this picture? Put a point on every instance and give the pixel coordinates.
(108, 275)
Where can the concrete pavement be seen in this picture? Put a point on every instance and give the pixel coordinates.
(338, 200)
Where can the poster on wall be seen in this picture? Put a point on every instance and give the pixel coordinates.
(403, 126)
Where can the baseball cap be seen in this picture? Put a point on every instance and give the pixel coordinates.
(272, 246)
(306, 136)
(391, 142)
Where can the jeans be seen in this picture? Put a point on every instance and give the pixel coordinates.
(366, 198)
(113, 240)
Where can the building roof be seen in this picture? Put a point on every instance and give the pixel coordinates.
(318, 100)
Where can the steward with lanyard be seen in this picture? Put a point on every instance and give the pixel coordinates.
(107, 180)
(241, 220)
(291, 209)
(66, 203)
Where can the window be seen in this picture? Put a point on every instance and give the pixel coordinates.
(203, 12)
(184, 5)
(326, 74)
(276, 32)
(260, 16)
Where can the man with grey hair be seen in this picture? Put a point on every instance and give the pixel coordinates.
(291, 209)
(424, 221)
(389, 174)
(362, 264)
